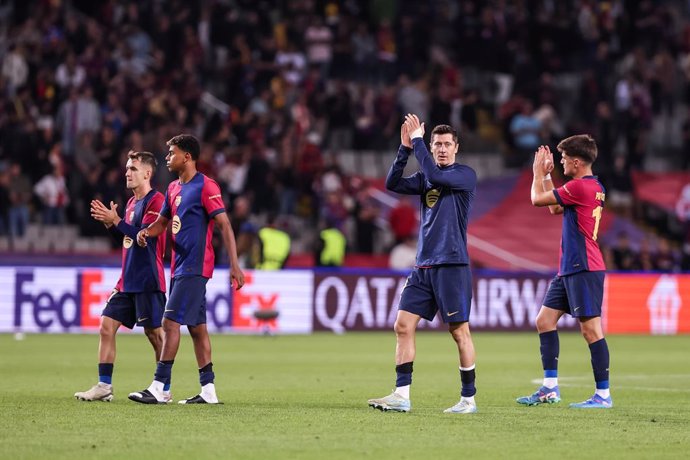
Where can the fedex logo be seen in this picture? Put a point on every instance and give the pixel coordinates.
(64, 302)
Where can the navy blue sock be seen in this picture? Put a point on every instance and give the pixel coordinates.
(600, 363)
(166, 385)
(206, 374)
(467, 378)
(105, 373)
(404, 374)
(550, 348)
(163, 371)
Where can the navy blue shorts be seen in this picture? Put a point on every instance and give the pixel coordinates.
(144, 309)
(187, 302)
(446, 288)
(579, 294)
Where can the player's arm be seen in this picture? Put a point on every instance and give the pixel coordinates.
(541, 168)
(547, 183)
(152, 231)
(225, 228)
(158, 226)
(395, 182)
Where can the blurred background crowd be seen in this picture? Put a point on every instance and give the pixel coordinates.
(288, 96)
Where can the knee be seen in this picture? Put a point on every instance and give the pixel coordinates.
(461, 336)
(154, 335)
(170, 327)
(403, 329)
(107, 330)
(591, 336)
(545, 324)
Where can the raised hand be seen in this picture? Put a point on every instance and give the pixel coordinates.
(541, 165)
(548, 160)
(414, 126)
(103, 214)
(405, 136)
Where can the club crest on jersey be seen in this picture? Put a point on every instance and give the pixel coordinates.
(127, 242)
(176, 224)
(431, 197)
(178, 200)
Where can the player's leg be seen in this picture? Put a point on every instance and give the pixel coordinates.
(405, 351)
(202, 350)
(452, 286)
(174, 313)
(118, 310)
(463, 339)
(586, 291)
(202, 346)
(416, 302)
(155, 336)
(555, 305)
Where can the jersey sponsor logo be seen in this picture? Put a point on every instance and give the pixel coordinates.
(214, 196)
(176, 224)
(178, 200)
(432, 197)
(153, 213)
(127, 242)
(131, 216)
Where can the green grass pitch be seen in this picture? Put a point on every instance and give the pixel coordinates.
(305, 397)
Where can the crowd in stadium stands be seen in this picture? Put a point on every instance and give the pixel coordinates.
(276, 89)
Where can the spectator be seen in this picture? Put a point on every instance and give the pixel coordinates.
(624, 258)
(20, 199)
(404, 254)
(526, 131)
(53, 193)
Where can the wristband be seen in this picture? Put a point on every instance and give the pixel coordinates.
(547, 177)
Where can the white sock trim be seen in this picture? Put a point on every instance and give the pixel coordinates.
(468, 368)
(403, 391)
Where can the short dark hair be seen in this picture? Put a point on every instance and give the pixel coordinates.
(581, 146)
(445, 129)
(146, 158)
(186, 143)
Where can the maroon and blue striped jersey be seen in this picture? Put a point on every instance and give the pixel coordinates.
(583, 202)
(446, 196)
(142, 268)
(192, 206)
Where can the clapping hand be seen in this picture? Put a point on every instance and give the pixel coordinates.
(103, 214)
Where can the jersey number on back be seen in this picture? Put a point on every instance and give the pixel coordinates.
(596, 213)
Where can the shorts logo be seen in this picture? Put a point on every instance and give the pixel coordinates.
(140, 320)
(176, 224)
(451, 314)
(178, 200)
(432, 197)
(127, 242)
